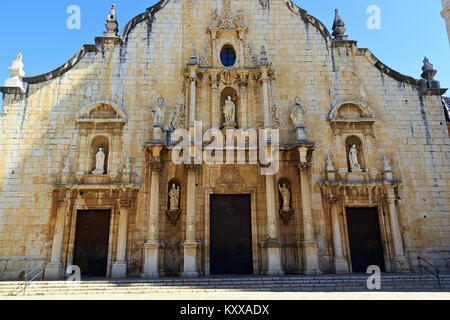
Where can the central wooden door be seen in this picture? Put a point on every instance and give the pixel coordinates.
(91, 242)
(231, 235)
(365, 239)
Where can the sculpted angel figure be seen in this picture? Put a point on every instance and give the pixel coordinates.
(174, 195)
(286, 195)
(159, 111)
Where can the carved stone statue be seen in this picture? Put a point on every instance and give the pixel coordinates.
(298, 113)
(174, 195)
(229, 111)
(100, 162)
(286, 195)
(16, 71)
(112, 27)
(353, 157)
(339, 27)
(159, 111)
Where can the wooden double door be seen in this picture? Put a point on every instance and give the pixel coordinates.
(231, 235)
(365, 239)
(91, 242)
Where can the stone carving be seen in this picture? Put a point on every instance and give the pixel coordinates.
(428, 72)
(298, 118)
(100, 162)
(275, 114)
(298, 113)
(339, 27)
(174, 196)
(193, 59)
(159, 111)
(16, 71)
(386, 166)
(264, 3)
(286, 196)
(229, 111)
(353, 157)
(229, 76)
(226, 21)
(330, 167)
(264, 61)
(112, 27)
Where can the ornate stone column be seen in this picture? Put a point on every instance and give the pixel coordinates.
(400, 262)
(243, 84)
(273, 244)
(190, 245)
(151, 248)
(266, 104)
(339, 262)
(119, 269)
(192, 77)
(215, 102)
(54, 270)
(310, 251)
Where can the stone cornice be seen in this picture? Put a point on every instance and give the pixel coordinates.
(62, 69)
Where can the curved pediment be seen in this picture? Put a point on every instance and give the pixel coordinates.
(101, 111)
(352, 111)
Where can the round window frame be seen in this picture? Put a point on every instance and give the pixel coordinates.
(224, 46)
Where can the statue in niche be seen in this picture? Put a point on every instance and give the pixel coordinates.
(286, 195)
(298, 113)
(174, 195)
(229, 111)
(353, 157)
(159, 111)
(100, 162)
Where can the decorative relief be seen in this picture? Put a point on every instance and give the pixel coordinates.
(178, 116)
(205, 56)
(230, 180)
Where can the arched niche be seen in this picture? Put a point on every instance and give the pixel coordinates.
(350, 141)
(100, 119)
(170, 185)
(282, 182)
(97, 143)
(233, 93)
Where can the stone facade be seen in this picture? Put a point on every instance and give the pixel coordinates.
(446, 15)
(324, 95)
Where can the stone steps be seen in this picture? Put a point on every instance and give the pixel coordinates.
(338, 283)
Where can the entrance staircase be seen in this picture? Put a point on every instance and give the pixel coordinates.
(325, 283)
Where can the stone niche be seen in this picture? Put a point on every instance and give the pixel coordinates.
(100, 126)
(351, 124)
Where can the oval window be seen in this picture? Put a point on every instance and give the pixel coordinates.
(228, 56)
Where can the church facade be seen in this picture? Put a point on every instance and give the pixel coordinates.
(222, 137)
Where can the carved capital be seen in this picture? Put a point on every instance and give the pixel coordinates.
(156, 166)
(192, 168)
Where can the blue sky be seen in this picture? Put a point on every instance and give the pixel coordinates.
(410, 29)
